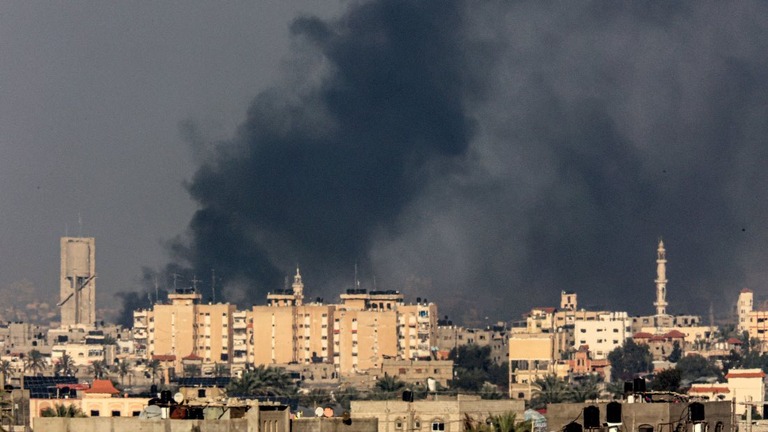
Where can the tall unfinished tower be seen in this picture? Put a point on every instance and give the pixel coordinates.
(78, 281)
(661, 280)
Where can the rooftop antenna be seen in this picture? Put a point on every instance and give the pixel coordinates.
(80, 224)
(176, 276)
(194, 281)
(374, 282)
(357, 282)
(213, 285)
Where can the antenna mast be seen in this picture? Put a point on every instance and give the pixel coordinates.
(213, 285)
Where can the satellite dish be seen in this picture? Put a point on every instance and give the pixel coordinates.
(152, 411)
(178, 397)
(318, 412)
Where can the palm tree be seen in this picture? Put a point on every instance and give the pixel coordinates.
(62, 411)
(154, 367)
(98, 368)
(587, 388)
(507, 422)
(550, 389)
(387, 387)
(6, 369)
(65, 366)
(123, 369)
(263, 381)
(316, 397)
(34, 362)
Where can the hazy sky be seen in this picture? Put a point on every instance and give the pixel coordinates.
(485, 155)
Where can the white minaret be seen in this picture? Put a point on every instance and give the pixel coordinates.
(661, 280)
(298, 288)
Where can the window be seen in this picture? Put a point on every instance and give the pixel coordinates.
(135, 413)
(438, 425)
(115, 413)
(94, 413)
(398, 424)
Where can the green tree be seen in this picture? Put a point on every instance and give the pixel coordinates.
(550, 389)
(629, 360)
(676, 354)
(490, 391)
(123, 369)
(65, 366)
(315, 397)
(387, 387)
(263, 381)
(692, 367)
(586, 388)
(344, 395)
(34, 362)
(507, 422)
(98, 368)
(220, 370)
(62, 411)
(192, 370)
(153, 366)
(473, 367)
(667, 380)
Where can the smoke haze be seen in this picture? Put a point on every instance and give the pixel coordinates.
(489, 155)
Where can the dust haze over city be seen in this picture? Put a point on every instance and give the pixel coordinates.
(483, 155)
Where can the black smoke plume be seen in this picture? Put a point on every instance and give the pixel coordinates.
(489, 155)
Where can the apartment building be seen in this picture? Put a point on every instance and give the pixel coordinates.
(185, 327)
(605, 333)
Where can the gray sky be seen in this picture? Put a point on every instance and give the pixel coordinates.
(92, 95)
(484, 155)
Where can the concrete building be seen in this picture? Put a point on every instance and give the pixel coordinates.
(744, 308)
(77, 292)
(354, 336)
(604, 334)
(531, 357)
(645, 417)
(433, 415)
(185, 327)
(419, 371)
(451, 336)
(753, 320)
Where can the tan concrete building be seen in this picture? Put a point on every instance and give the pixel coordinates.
(184, 327)
(354, 335)
(531, 357)
(77, 284)
(753, 320)
(419, 371)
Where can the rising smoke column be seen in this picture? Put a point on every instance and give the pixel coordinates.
(551, 157)
(318, 168)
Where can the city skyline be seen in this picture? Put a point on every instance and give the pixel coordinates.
(533, 149)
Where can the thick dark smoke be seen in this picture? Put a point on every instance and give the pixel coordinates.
(489, 155)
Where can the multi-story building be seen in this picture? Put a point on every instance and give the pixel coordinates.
(354, 335)
(185, 327)
(604, 334)
(288, 331)
(451, 336)
(753, 320)
(531, 357)
(77, 285)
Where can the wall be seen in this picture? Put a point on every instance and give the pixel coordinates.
(334, 425)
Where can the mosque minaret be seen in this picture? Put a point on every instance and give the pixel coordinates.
(661, 280)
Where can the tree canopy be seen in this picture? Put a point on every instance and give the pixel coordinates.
(629, 360)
